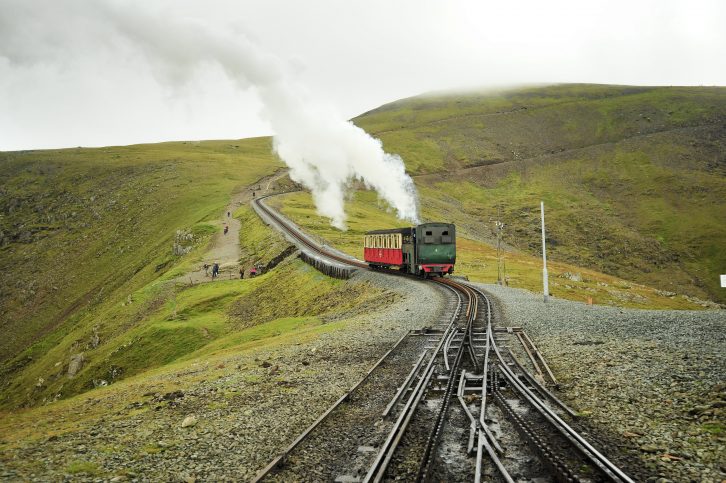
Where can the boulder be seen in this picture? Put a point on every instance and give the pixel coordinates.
(76, 364)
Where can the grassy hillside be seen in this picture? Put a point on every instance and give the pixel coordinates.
(81, 226)
(633, 178)
(86, 253)
(143, 326)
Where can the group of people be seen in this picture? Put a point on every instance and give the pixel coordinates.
(214, 267)
(226, 227)
(254, 271)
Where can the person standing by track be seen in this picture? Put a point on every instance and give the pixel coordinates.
(215, 270)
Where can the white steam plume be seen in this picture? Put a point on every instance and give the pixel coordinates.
(324, 152)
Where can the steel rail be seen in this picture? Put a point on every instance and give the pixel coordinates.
(484, 432)
(597, 458)
(296, 233)
(406, 383)
(539, 387)
(475, 425)
(433, 439)
(472, 420)
(281, 458)
(541, 358)
(378, 469)
(589, 451)
(529, 354)
(483, 409)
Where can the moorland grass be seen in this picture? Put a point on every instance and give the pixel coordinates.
(633, 177)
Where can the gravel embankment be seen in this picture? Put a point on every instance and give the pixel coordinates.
(652, 382)
(247, 407)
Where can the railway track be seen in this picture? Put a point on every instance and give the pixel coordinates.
(451, 403)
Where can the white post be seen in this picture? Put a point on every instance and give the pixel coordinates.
(544, 257)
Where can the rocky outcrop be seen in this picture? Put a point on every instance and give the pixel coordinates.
(76, 364)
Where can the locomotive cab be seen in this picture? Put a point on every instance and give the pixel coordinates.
(435, 246)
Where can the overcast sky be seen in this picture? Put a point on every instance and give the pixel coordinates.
(68, 79)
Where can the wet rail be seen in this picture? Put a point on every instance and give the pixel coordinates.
(471, 386)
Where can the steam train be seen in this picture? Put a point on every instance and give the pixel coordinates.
(425, 250)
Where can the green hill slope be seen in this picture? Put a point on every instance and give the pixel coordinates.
(92, 291)
(633, 178)
(81, 226)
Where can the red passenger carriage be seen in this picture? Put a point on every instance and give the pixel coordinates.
(384, 249)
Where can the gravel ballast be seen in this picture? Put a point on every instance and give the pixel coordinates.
(652, 381)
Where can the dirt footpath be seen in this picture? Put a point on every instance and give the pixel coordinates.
(225, 249)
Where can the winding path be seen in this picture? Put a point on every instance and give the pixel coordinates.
(225, 248)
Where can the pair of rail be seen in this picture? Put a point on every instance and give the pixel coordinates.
(478, 430)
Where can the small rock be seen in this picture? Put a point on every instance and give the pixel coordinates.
(650, 448)
(189, 421)
(170, 396)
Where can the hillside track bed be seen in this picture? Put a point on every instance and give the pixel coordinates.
(426, 441)
(326, 255)
(343, 441)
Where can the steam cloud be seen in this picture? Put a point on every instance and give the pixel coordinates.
(324, 152)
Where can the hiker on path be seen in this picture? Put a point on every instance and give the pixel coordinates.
(228, 214)
(241, 273)
(253, 272)
(226, 229)
(215, 270)
(206, 269)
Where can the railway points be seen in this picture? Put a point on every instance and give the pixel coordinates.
(449, 403)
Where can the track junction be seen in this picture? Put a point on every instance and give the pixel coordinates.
(451, 402)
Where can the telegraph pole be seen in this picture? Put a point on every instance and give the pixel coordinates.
(544, 257)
